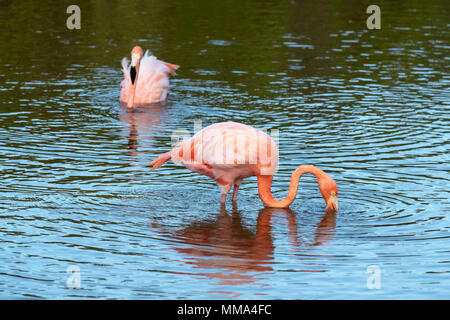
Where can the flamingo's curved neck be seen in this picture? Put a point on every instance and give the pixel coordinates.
(265, 184)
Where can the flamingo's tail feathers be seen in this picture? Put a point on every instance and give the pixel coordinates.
(172, 67)
(158, 162)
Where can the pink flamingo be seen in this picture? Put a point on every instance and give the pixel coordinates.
(229, 152)
(146, 80)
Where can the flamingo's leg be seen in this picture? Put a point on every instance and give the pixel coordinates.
(224, 188)
(235, 191)
(237, 183)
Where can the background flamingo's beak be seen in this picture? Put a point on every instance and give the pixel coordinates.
(132, 74)
(135, 59)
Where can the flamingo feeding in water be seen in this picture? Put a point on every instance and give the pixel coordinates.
(146, 79)
(229, 152)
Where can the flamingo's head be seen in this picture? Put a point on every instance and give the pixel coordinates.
(136, 56)
(329, 191)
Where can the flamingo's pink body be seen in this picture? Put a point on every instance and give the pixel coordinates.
(229, 152)
(152, 79)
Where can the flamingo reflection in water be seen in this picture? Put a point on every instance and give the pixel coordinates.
(140, 124)
(237, 254)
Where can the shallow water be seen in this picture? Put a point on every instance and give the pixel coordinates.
(370, 107)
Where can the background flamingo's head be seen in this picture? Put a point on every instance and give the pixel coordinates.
(136, 55)
(329, 191)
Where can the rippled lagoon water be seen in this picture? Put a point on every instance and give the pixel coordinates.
(370, 107)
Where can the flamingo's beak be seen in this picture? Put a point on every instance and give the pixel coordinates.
(332, 203)
(135, 58)
(132, 74)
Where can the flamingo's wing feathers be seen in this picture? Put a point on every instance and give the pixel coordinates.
(172, 67)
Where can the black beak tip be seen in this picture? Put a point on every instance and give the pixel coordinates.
(133, 74)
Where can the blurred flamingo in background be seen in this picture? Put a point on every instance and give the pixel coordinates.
(146, 79)
(229, 152)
